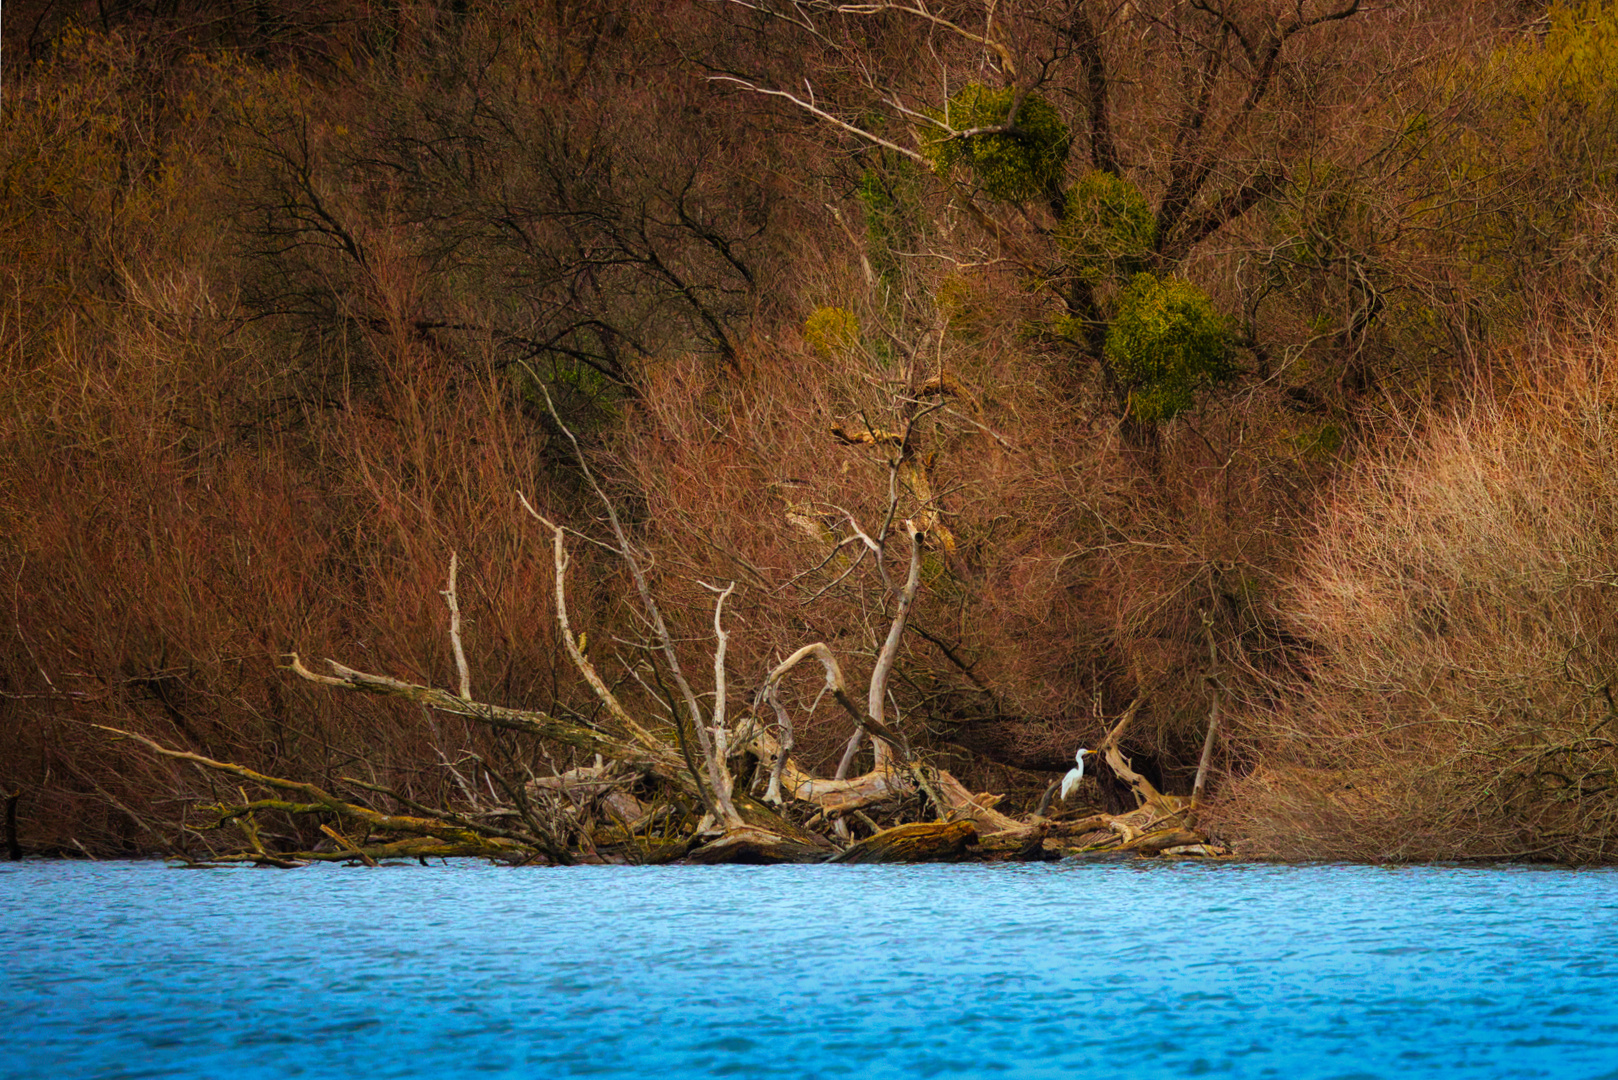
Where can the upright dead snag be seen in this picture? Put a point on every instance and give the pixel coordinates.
(876, 695)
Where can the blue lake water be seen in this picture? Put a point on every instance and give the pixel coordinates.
(1069, 969)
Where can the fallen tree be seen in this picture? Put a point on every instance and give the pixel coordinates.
(682, 786)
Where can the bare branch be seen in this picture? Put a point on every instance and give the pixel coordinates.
(826, 116)
(772, 794)
(874, 702)
(834, 674)
(718, 765)
(455, 630)
(626, 552)
(615, 708)
(1008, 65)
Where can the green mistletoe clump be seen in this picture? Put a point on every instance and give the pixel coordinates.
(1013, 166)
(1108, 229)
(1165, 343)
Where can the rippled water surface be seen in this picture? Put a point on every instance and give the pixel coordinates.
(115, 970)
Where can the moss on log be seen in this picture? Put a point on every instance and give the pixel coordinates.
(928, 841)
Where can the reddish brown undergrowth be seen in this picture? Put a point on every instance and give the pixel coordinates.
(1460, 599)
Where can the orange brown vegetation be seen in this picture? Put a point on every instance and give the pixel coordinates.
(280, 295)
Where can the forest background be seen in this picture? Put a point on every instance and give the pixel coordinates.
(1254, 353)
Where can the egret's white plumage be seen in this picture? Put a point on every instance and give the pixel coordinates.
(1070, 782)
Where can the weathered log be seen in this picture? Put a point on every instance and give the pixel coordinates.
(1019, 846)
(1079, 826)
(1001, 843)
(764, 838)
(763, 816)
(1209, 851)
(1155, 842)
(753, 846)
(878, 785)
(1109, 749)
(928, 841)
(1014, 838)
(415, 847)
(603, 784)
(833, 796)
(454, 829)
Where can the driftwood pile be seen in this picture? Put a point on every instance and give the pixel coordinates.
(644, 802)
(694, 784)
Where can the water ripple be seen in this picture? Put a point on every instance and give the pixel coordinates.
(1114, 970)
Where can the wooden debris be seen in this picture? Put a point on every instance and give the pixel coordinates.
(752, 846)
(1156, 842)
(929, 841)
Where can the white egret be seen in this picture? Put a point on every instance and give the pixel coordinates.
(1070, 782)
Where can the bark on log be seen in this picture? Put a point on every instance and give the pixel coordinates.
(964, 803)
(412, 847)
(750, 845)
(1014, 838)
(1156, 842)
(1029, 846)
(928, 841)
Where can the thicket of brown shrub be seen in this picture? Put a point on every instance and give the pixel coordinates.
(1461, 600)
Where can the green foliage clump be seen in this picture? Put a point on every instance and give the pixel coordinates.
(1165, 343)
(832, 331)
(1108, 228)
(1576, 60)
(890, 192)
(1013, 166)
